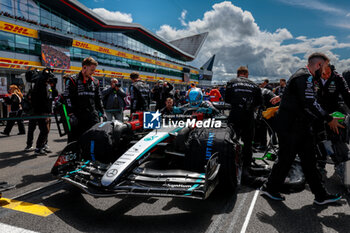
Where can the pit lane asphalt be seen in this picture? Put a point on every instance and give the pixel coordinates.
(222, 212)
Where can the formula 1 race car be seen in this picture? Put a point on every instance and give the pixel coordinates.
(115, 158)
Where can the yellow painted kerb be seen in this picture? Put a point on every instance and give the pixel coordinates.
(27, 207)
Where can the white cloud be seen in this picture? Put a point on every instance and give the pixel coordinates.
(183, 17)
(338, 14)
(315, 5)
(344, 25)
(237, 40)
(113, 15)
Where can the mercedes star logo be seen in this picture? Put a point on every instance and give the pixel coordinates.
(112, 172)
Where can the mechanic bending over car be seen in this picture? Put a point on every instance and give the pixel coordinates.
(244, 96)
(299, 108)
(83, 97)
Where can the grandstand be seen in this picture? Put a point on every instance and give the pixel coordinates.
(37, 33)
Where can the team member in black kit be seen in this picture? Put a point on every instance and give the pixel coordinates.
(244, 97)
(298, 110)
(332, 93)
(83, 99)
(140, 94)
(330, 87)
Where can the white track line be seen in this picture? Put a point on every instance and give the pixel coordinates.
(12, 229)
(237, 213)
(250, 211)
(220, 220)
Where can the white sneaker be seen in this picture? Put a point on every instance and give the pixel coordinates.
(47, 149)
(29, 148)
(40, 151)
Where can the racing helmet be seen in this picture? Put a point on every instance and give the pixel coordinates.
(195, 97)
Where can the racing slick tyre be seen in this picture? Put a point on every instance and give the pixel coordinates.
(105, 141)
(202, 143)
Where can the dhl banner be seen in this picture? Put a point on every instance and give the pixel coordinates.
(13, 28)
(20, 30)
(114, 74)
(12, 63)
(16, 64)
(96, 48)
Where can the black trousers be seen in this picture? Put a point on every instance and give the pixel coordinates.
(31, 128)
(298, 140)
(260, 137)
(243, 124)
(44, 128)
(11, 123)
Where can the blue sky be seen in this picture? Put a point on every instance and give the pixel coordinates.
(292, 25)
(269, 14)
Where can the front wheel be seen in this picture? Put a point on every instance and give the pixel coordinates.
(230, 166)
(203, 143)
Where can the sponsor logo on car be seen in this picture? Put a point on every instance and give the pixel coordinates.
(112, 172)
(177, 186)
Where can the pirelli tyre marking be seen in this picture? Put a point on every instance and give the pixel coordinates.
(135, 153)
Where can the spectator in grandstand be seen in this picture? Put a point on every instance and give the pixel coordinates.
(139, 93)
(298, 110)
(113, 101)
(169, 105)
(83, 97)
(14, 99)
(244, 96)
(215, 95)
(280, 89)
(55, 58)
